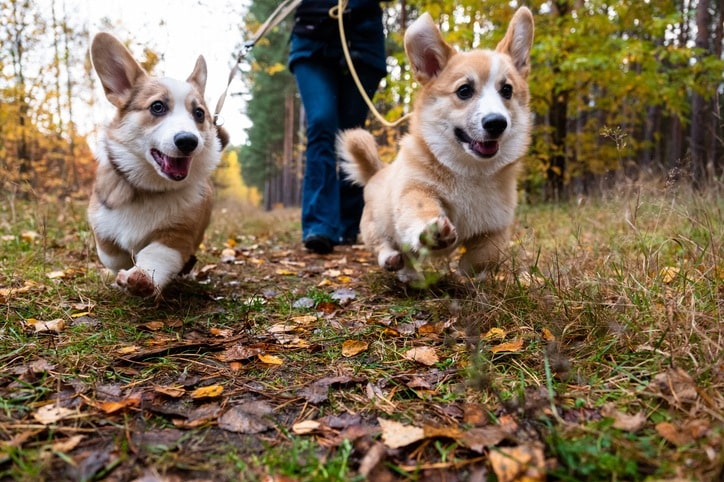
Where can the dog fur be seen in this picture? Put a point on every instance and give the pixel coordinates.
(453, 182)
(152, 196)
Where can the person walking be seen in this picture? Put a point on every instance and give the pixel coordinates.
(331, 205)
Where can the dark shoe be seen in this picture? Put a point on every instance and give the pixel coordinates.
(319, 244)
(349, 240)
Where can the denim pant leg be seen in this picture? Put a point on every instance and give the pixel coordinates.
(318, 83)
(353, 113)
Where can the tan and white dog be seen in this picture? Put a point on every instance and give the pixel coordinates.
(152, 196)
(453, 181)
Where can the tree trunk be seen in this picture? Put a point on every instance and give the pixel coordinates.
(700, 110)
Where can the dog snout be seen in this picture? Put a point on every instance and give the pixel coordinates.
(186, 142)
(494, 124)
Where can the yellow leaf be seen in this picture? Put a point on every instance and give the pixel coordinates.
(548, 335)
(270, 359)
(524, 463)
(495, 334)
(344, 279)
(285, 272)
(78, 315)
(126, 350)
(351, 348)
(209, 391)
(510, 346)
(323, 283)
(230, 243)
(668, 274)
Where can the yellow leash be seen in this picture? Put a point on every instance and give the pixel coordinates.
(336, 12)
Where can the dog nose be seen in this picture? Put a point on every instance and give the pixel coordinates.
(494, 124)
(186, 142)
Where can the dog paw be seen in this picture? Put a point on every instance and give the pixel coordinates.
(439, 234)
(393, 261)
(136, 282)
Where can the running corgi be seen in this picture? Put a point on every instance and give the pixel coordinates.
(152, 196)
(453, 182)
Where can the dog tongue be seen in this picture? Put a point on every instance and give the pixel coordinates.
(176, 168)
(486, 148)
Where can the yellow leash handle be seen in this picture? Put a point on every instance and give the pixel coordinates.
(336, 12)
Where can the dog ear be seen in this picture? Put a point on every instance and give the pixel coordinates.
(518, 40)
(223, 136)
(198, 76)
(116, 68)
(427, 51)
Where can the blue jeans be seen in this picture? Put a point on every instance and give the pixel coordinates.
(331, 205)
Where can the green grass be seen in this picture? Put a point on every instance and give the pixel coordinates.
(608, 297)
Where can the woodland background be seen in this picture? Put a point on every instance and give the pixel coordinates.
(622, 92)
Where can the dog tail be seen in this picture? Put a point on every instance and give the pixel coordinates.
(358, 151)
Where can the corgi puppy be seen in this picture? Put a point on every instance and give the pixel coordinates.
(453, 182)
(152, 195)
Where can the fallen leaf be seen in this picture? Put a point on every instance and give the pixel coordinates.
(306, 427)
(480, 438)
(351, 348)
(127, 350)
(239, 352)
(153, 325)
(548, 335)
(396, 434)
(285, 272)
(668, 274)
(222, 332)
(109, 407)
(622, 421)
(56, 326)
(248, 418)
(304, 319)
(29, 236)
(523, 463)
(209, 391)
(422, 354)
(270, 359)
(52, 413)
(495, 334)
(332, 273)
(228, 255)
(318, 391)
(169, 391)
(68, 444)
(343, 296)
(510, 346)
(673, 434)
(57, 275)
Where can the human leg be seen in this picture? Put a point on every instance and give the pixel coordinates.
(317, 86)
(352, 113)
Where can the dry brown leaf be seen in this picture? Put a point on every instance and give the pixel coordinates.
(622, 421)
(478, 439)
(270, 359)
(668, 274)
(249, 418)
(510, 346)
(672, 434)
(422, 354)
(52, 413)
(169, 390)
(153, 325)
(524, 463)
(304, 319)
(351, 348)
(396, 434)
(209, 391)
(239, 352)
(109, 407)
(222, 332)
(56, 326)
(306, 427)
(68, 444)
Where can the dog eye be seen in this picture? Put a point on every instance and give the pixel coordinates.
(158, 108)
(199, 114)
(506, 91)
(465, 91)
